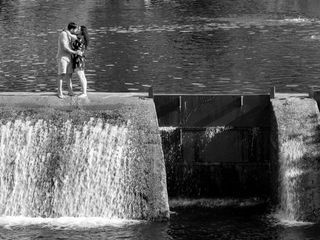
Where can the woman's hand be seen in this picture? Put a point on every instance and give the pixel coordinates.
(80, 53)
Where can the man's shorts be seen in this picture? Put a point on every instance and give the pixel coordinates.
(64, 65)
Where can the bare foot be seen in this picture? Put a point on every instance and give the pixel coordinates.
(82, 95)
(60, 94)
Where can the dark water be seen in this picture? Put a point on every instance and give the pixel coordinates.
(189, 46)
(190, 223)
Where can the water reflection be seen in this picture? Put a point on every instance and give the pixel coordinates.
(176, 46)
(186, 223)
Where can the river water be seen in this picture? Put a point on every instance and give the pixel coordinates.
(186, 223)
(186, 46)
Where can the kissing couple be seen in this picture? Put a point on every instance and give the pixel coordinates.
(72, 44)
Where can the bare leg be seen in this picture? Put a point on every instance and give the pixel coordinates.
(59, 84)
(69, 83)
(83, 81)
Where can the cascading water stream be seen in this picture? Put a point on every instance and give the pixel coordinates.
(290, 173)
(75, 170)
(296, 150)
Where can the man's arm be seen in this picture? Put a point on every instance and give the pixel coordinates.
(72, 36)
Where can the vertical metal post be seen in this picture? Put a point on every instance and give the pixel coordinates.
(180, 119)
(241, 101)
(150, 95)
(272, 92)
(311, 92)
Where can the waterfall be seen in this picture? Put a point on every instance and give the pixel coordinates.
(290, 177)
(89, 169)
(295, 152)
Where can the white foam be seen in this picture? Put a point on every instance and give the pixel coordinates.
(298, 20)
(293, 172)
(282, 219)
(66, 222)
(167, 129)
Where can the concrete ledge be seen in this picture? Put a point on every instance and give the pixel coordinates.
(50, 99)
(291, 95)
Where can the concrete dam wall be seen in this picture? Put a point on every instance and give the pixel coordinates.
(95, 157)
(120, 155)
(243, 146)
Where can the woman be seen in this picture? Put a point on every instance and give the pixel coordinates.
(81, 43)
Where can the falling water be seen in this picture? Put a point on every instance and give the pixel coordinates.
(290, 176)
(75, 170)
(297, 147)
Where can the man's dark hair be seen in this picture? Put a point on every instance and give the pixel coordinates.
(71, 26)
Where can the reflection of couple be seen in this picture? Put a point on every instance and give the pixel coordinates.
(70, 57)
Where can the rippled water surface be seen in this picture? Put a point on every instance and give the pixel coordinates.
(189, 46)
(189, 223)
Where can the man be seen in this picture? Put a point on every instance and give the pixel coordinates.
(64, 57)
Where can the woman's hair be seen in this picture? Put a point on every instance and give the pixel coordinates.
(85, 35)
